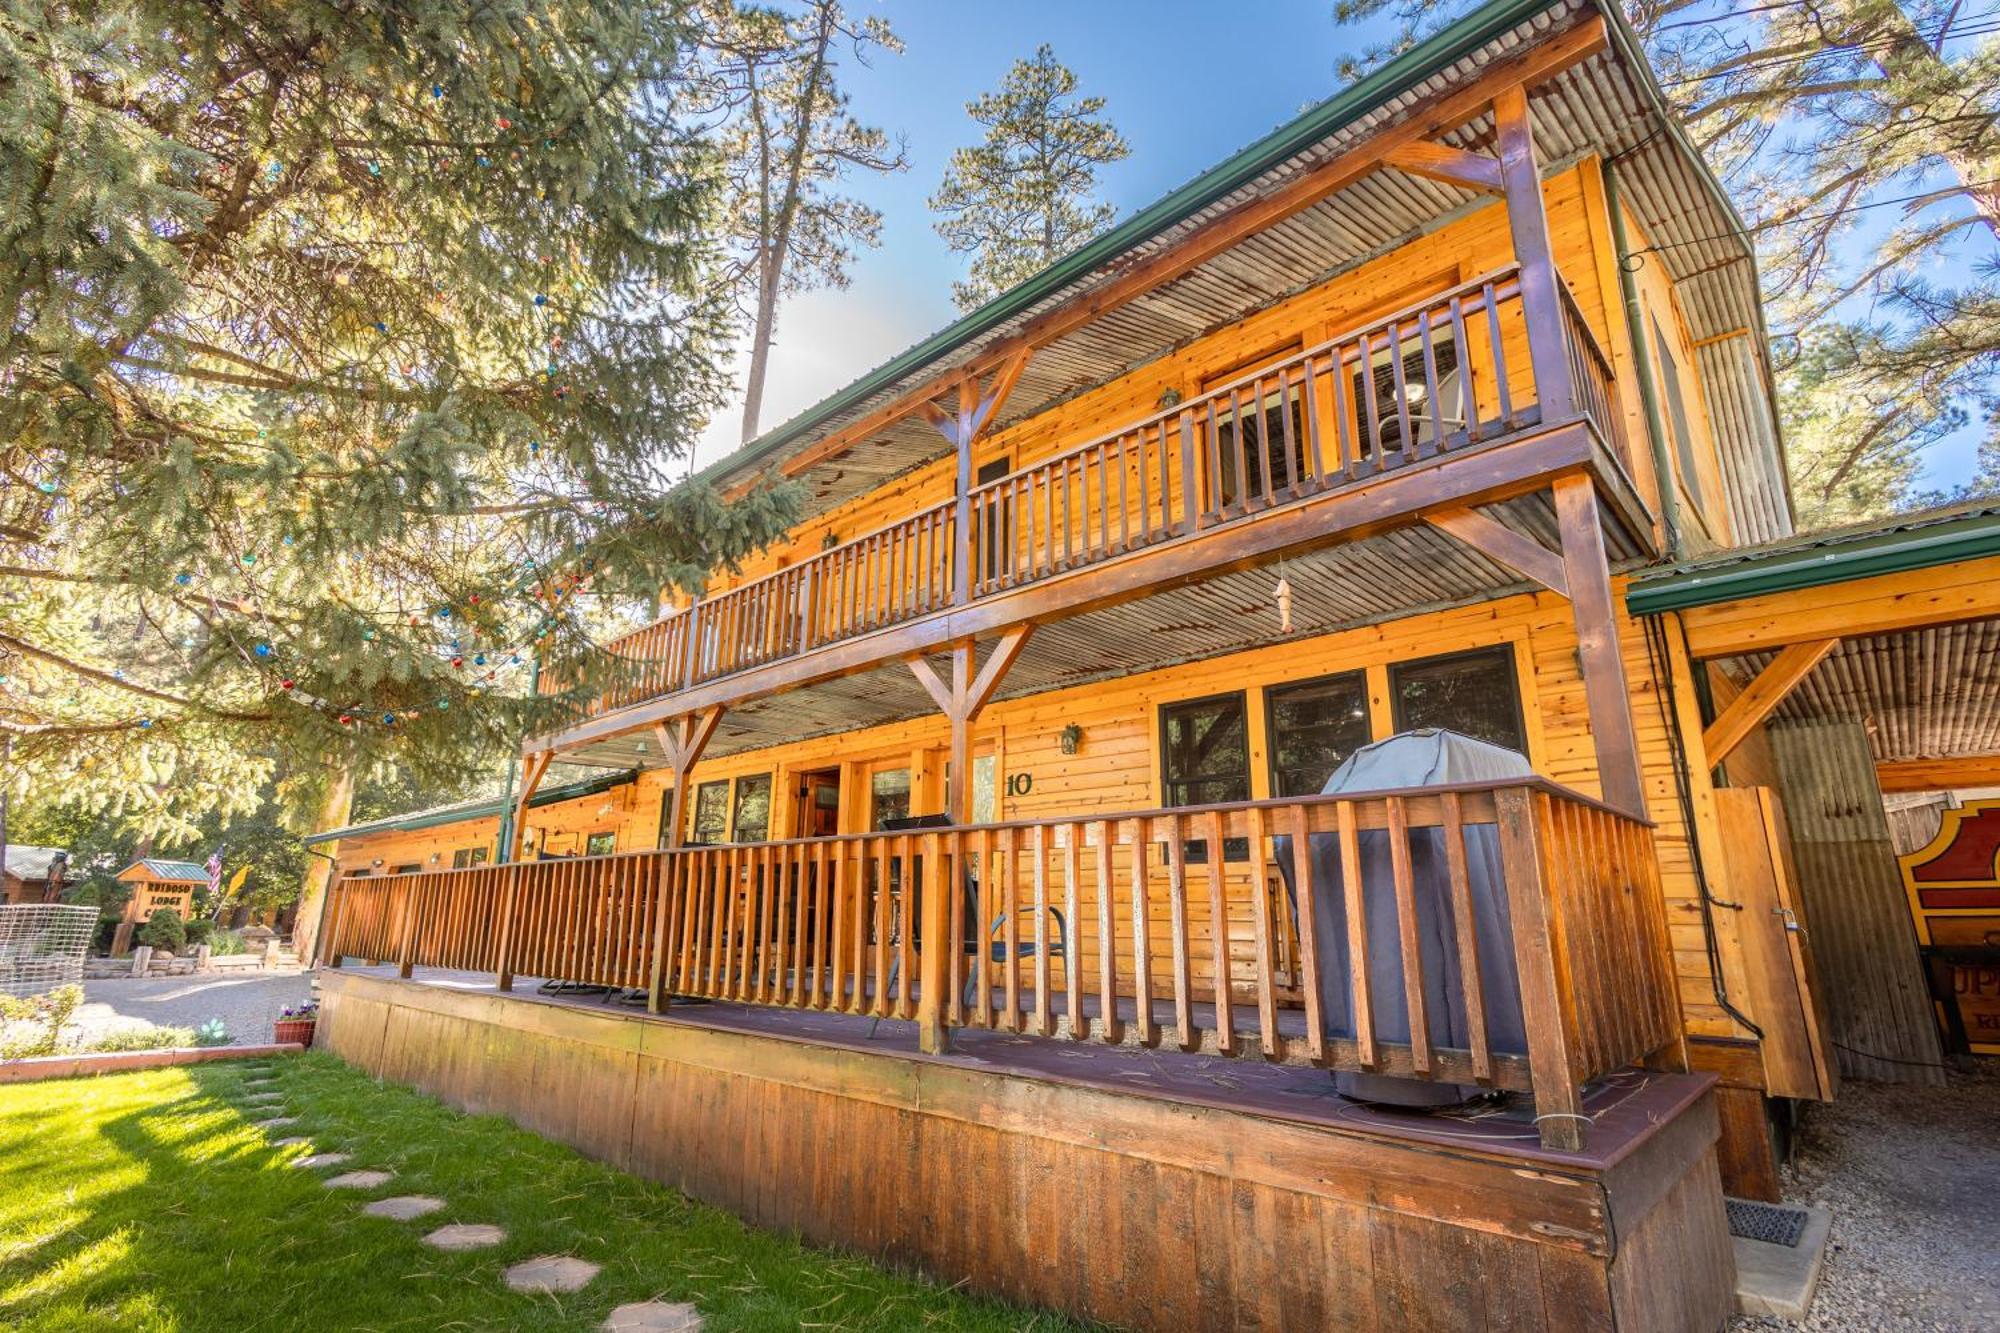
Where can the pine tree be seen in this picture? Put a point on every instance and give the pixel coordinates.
(1818, 116)
(787, 143)
(1022, 198)
(346, 352)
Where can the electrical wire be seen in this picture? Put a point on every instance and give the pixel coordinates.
(1944, 192)
(1978, 28)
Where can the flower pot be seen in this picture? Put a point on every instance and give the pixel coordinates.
(299, 1030)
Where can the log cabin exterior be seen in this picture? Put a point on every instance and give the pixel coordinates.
(1377, 426)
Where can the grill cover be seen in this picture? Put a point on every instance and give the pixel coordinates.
(1415, 759)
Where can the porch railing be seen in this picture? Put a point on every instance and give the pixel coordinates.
(1529, 951)
(1449, 372)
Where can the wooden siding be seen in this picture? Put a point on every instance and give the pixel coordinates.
(1187, 1215)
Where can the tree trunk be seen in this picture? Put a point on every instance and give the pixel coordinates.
(1963, 142)
(336, 805)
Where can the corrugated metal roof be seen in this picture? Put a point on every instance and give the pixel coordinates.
(477, 808)
(28, 862)
(1608, 105)
(1884, 546)
(187, 872)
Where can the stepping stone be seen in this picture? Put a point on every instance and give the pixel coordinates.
(322, 1159)
(291, 1142)
(654, 1317)
(278, 1122)
(465, 1236)
(358, 1180)
(404, 1207)
(551, 1273)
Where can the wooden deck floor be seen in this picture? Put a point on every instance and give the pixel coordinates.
(1623, 1108)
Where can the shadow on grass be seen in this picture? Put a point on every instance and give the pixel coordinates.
(148, 1201)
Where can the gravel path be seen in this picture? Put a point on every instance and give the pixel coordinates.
(1912, 1178)
(247, 1005)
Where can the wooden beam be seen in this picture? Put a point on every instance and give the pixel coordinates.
(1947, 774)
(1004, 655)
(536, 765)
(1878, 604)
(1522, 554)
(1441, 162)
(1523, 69)
(927, 676)
(1588, 574)
(1762, 695)
(1528, 221)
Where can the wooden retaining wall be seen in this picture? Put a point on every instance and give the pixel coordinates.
(1129, 1209)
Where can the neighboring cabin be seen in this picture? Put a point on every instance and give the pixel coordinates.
(24, 878)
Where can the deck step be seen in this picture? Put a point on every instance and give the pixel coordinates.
(1778, 1264)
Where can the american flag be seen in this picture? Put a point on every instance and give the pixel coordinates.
(214, 869)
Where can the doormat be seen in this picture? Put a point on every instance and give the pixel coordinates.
(1766, 1222)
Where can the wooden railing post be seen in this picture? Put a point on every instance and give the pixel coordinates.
(663, 913)
(1189, 500)
(328, 943)
(1549, 1025)
(510, 900)
(406, 928)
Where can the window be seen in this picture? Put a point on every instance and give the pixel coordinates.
(466, 857)
(601, 844)
(1315, 725)
(1677, 415)
(406, 870)
(752, 820)
(1266, 432)
(711, 811)
(985, 789)
(1205, 760)
(996, 519)
(1474, 693)
(888, 796)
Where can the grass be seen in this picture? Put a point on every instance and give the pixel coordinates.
(149, 1201)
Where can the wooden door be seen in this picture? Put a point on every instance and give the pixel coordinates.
(1785, 995)
(816, 804)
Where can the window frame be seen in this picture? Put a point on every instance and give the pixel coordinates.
(590, 843)
(694, 814)
(737, 786)
(1194, 851)
(1504, 652)
(1357, 675)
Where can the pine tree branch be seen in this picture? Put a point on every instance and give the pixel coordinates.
(100, 677)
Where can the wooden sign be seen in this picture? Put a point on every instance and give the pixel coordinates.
(1953, 885)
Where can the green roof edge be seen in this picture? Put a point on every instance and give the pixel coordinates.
(1398, 75)
(477, 810)
(1971, 537)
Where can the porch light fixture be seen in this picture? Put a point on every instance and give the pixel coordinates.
(1170, 398)
(1070, 740)
(376, 864)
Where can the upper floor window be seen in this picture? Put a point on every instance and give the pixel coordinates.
(1314, 726)
(752, 818)
(1474, 693)
(1677, 415)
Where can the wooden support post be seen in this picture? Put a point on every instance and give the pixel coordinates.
(682, 742)
(327, 947)
(1587, 571)
(407, 928)
(1522, 554)
(1763, 694)
(1551, 1043)
(535, 766)
(961, 701)
(975, 412)
(510, 906)
(1528, 221)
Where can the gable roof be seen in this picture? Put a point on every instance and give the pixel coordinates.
(478, 807)
(180, 872)
(27, 862)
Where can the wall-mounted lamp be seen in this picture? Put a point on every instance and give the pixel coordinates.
(436, 857)
(1071, 739)
(376, 864)
(1170, 398)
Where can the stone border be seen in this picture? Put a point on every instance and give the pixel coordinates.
(119, 1062)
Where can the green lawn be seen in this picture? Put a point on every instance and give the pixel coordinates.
(148, 1201)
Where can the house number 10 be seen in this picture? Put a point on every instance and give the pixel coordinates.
(1020, 784)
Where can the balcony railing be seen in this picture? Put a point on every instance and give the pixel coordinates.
(1447, 373)
(1529, 945)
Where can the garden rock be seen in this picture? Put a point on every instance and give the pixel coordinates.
(551, 1273)
(404, 1207)
(465, 1236)
(278, 1122)
(322, 1159)
(358, 1180)
(654, 1317)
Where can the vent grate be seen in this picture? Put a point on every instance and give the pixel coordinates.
(1766, 1222)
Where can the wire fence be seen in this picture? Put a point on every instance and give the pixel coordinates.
(42, 945)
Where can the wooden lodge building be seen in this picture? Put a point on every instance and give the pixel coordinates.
(964, 858)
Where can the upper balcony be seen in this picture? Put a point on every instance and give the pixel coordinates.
(1432, 407)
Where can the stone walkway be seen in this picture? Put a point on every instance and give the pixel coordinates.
(247, 1005)
(543, 1274)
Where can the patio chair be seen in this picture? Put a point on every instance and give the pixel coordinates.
(997, 950)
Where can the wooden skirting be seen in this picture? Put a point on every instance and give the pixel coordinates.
(1130, 1209)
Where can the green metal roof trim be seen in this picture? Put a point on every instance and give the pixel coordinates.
(1420, 62)
(438, 816)
(1914, 541)
(183, 872)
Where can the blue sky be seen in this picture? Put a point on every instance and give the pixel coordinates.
(1186, 83)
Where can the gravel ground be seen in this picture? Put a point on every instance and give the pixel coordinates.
(1912, 1178)
(246, 1005)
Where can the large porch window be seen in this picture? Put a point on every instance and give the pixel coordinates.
(711, 811)
(1476, 693)
(1314, 725)
(752, 819)
(1205, 760)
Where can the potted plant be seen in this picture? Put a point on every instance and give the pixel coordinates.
(297, 1023)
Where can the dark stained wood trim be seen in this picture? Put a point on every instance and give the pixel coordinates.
(1595, 611)
(1771, 687)
(1441, 162)
(1524, 555)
